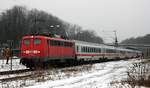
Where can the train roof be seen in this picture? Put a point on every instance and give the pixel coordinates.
(84, 43)
(89, 44)
(47, 37)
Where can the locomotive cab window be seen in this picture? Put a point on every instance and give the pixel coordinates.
(68, 44)
(37, 41)
(27, 42)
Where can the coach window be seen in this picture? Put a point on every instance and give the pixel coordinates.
(110, 50)
(65, 44)
(52, 43)
(107, 51)
(62, 43)
(77, 48)
(89, 49)
(86, 49)
(56, 43)
(70, 44)
(27, 42)
(95, 50)
(99, 50)
(48, 42)
(37, 41)
(92, 50)
(82, 49)
(59, 43)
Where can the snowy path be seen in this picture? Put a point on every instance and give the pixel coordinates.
(98, 76)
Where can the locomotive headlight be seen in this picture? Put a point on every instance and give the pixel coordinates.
(36, 51)
(31, 51)
(26, 51)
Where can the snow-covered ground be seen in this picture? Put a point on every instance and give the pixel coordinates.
(98, 75)
(7, 67)
(90, 76)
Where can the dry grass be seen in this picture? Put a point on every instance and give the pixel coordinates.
(137, 75)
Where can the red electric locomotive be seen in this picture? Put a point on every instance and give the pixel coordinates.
(44, 49)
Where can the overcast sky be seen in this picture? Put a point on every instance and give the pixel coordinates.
(130, 18)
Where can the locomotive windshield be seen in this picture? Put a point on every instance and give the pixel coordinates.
(37, 41)
(27, 42)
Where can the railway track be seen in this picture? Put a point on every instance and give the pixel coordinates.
(15, 75)
(14, 71)
(15, 78)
